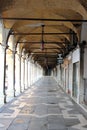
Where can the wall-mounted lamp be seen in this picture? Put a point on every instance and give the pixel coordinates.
(60, 59)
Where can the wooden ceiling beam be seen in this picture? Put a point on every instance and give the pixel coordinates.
(43, 19)
(44, 52)
(45, 42)
(44, 48)
(64, 33)
(36, 56)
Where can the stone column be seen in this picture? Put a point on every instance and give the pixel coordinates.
(14, 72)
(20, 73)
(31, 73)
(4, 76)
(83, 76)
(2, 51)
(5, 36)
(27, 72)
(24, 72)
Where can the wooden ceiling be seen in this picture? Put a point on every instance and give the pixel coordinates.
(52, 22)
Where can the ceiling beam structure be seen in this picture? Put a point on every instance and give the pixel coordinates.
(53, 50)
(46, 48)
(46, 55)
(61, 44)
(46, 42)
(60, 49)
(66, 33)
(43, 19)
(57, 31)
(44, 52)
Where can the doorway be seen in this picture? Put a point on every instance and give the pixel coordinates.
(75, 78)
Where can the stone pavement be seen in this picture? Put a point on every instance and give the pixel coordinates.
(42, 107)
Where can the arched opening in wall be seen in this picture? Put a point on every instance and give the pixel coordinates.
(47, 71)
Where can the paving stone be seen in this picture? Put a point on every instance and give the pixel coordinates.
(56, 119)
(73, 111)
(9, 110)
(41, 109)
(53, 110)
(56, 126)
(27, 110)
(37, 125)
(73, 129)
(85, 126)
(22, 119)
(18, 127)
(71, 122)
(5, 122)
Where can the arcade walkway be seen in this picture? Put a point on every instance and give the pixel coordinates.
(43, 107)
